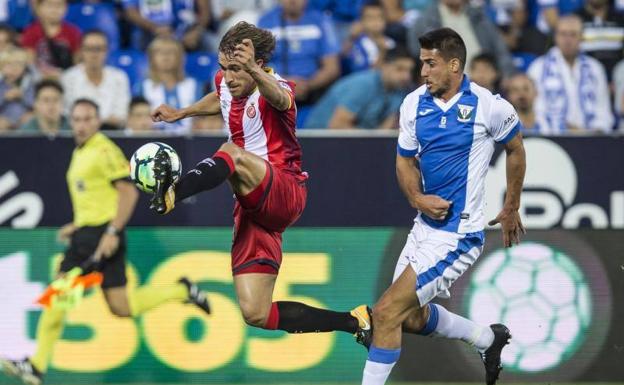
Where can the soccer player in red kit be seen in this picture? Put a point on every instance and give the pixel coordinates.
(262, 163)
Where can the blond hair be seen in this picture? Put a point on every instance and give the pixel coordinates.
(180, 55)
(13, 54)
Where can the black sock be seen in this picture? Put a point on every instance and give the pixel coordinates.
(296, 317)
(208, 174)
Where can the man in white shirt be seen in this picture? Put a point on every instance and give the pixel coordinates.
(92, 79)
(572, 91)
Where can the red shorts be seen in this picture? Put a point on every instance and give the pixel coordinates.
(261, 217)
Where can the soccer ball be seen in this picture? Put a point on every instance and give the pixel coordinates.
(541, 295)
(142, 165)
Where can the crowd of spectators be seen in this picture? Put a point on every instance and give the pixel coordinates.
(560, 63)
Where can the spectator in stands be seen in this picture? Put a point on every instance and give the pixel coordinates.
(167, 83)
(521, 93)
(307, 50)
(545, 14)
(367, 42)
(603, 33)
(367, 99)
(343, 13)
(618, 88)
(93, 79)
(402, 13)
(572, 92)
(503, 12)
(48, 115)
(484, 71)
(139, 118)
(184, 20)
(479, 33)
(53, 41)
(17, 88)
(524, 40)
(229, 12)
(7, 37)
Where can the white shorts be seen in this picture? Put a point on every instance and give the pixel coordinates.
(438, 257)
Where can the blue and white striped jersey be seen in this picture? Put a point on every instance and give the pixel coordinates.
(455, 142)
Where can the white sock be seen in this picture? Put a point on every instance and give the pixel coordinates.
(451, 325)
(376, 373)
(379, 365)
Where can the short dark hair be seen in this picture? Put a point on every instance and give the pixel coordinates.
(4, 27)
(136, 101)
(88, 102)
(370, 3)
(399, 52)
(48, 83)
(263, 40)
(486, 58)
(93, 31)
(447, 41)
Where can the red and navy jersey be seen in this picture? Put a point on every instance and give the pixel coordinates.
(258, 127)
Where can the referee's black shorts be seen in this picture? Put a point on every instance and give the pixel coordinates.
(83, 243)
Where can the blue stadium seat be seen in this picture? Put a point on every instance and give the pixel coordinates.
(100, 16)
(19, 14)
(133, 62)
(202, 66)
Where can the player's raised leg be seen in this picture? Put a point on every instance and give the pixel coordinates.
(255, 297)
(269, 202)
(251, 179)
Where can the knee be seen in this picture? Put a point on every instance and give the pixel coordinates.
(235, 152)
(119, 310)
(385, 315)
(254, 314)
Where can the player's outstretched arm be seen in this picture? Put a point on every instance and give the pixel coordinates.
(409, 178)
(208, 105)
(269, 87)
(509, 218)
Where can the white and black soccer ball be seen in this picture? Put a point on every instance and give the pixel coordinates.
(142, 165)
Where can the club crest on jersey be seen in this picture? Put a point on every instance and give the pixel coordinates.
(464, 113)
(251, 111)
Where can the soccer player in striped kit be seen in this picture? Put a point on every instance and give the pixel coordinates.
(262, 163)
(448, 130)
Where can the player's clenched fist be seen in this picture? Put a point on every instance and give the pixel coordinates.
(245, 53)
(165, 113)
(434, 207)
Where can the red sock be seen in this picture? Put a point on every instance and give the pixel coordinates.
(273, 319)
(227, 158)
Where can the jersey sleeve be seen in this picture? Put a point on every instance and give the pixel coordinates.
(504, 120)
(329, 43)
(290, 87)
(355, 96)
(408, 144)
(114, 164)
